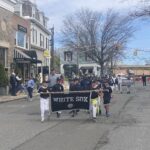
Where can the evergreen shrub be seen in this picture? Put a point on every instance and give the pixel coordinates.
(3, 77)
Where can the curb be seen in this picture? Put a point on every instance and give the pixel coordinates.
(15, 98)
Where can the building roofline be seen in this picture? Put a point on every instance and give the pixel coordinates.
(13, 1)
(132, 66)
(37, 23)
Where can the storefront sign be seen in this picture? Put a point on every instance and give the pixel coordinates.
(70, 101)
(21, 60)
(47, 53)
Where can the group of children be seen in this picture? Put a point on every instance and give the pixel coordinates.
(99, 92)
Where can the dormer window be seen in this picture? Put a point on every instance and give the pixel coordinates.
(68, 56)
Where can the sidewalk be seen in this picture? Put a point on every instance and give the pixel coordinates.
(12, 98)
(9, 98)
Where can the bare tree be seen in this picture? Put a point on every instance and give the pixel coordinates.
(102, 36)
(143, 9)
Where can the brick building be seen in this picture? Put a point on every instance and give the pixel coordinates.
(6, 38)
(137, 70)
(22, 61)
(15, 47)
(23, 39)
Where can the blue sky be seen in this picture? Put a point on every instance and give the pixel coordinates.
(56, 10)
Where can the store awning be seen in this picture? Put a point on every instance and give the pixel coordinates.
(86, 67)
(20, 54)
(26, 56)
(32, 54)
(21, 57)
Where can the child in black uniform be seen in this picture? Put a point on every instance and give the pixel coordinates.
(106, 97)
(58, 88)
(44, 100)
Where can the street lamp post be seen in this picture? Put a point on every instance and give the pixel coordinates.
(52, 47)
(77, 53)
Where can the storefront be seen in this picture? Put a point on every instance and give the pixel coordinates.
(25, 63)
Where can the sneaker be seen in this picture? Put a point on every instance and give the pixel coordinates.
(42, 120)
(107, 115)
(58, 115)
(94, 119)
(73, 114)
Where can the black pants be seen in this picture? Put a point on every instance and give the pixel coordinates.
(30, 91)
(13, 90)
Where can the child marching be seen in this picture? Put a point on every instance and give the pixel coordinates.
(107, 97)
(44, 101)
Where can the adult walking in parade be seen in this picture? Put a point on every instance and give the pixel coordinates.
(52, 80)
(120, 84)
(144, 79)
(30, 87)
(13, 84)
(44, 100)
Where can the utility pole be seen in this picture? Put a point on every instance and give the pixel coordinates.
(77, 53)
(52, 47)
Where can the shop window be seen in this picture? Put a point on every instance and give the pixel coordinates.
(68, 56)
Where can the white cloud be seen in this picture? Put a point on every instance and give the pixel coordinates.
(57, 9)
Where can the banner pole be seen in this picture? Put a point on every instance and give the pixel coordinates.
(90, 110)
(50, 106)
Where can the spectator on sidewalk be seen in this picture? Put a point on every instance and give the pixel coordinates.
(37, 81)
(116, 84)
(144, 79)
(19, 87)
(120, 84)
(13, 84)
(30, 87)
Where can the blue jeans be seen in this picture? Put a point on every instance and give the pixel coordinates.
(30, 91)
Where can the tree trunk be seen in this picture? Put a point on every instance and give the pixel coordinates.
(102, 69)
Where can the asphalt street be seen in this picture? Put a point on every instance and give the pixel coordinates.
(126, 128)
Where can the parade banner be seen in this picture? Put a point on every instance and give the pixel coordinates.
(70, 101)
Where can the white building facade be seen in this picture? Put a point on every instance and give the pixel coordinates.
(8, 4)
(75, 63)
